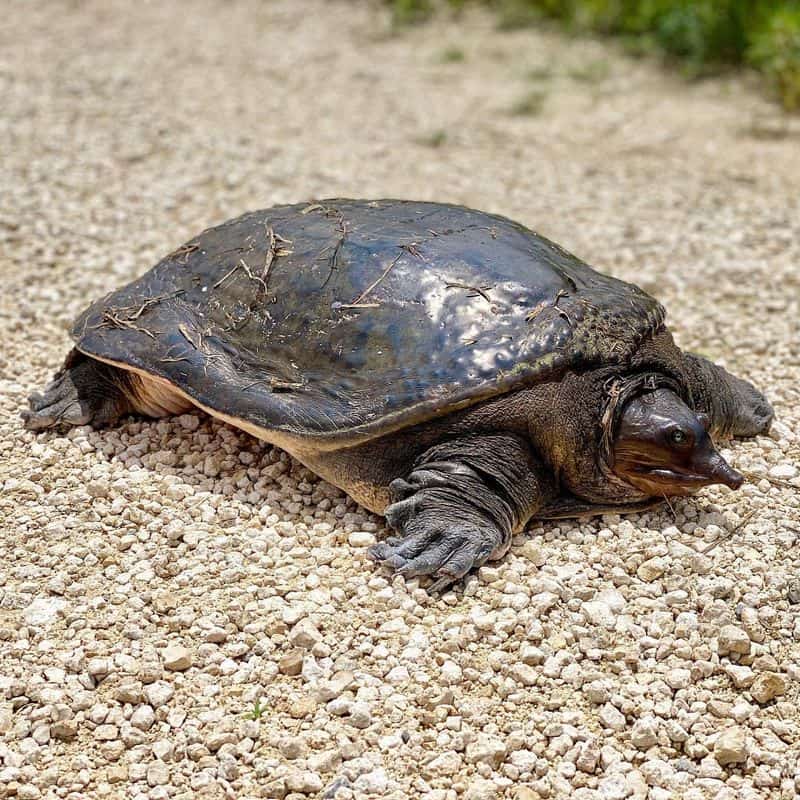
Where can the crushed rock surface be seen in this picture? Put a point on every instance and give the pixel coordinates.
(188, 613)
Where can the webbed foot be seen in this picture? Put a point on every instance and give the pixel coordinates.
(83, 392)
(435, 543)
(459, 507)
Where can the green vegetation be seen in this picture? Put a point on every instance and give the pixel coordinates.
(433, 139)
(531, 105)
(452, 55)
(257, 712)
(702, 35)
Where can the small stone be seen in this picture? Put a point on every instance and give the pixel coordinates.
(644, 733)
(291, 663)
(532, 655)
(6, 718)
(375, 782)
(524, 674)
(360, 715)
(588, 757)
(610, 717)
(65, 729)
(651, 570)
(176, 658)
(614, 787)
(164, 750)
(275, 789)
(599, 613)
(304, 634)
(446, 763)
(106, 732)
(767, 686)
(43, 611)
(41, 734)
(741, 676)
(597, 691)
(451, 672)
(481, 789)
(117, 773)
(678, 678)
(398, 675)
(157, 773)
(361, 539)
(305, 782)
(99, 668)
(732, 639)
(339, 682)
(304, 706)
(129, 692)
(158, 694)
(293, 747)
(324, 761)
(486, 750)
(731, 746)
(215, 635)
(143, 717)
(215, 739)
(783, 472)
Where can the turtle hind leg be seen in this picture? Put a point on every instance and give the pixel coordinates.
(83, 392)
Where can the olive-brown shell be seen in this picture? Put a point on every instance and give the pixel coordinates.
(345, 319)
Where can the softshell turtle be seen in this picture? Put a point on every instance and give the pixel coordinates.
(447, 368)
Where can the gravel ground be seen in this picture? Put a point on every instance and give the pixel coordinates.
(187, 613)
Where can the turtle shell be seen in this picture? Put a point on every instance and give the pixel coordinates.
(346, 319)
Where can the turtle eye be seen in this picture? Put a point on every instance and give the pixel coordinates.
(678, 437)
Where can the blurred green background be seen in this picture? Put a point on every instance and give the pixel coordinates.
(703, 36)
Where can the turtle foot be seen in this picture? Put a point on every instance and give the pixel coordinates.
(83, 392)
(445, 550)
(442, 535)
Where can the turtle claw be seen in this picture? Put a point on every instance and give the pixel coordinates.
(58, 404)
(446, 554)
(83, 393)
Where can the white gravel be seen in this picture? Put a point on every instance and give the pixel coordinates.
(186, 613)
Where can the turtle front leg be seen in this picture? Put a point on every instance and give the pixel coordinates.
(460, 506)
(83, 392)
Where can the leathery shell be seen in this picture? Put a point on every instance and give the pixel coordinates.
(345, 319)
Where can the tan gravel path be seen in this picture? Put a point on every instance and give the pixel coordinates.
(164, 582)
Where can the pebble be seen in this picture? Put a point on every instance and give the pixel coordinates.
(158, 694)
(304, 634)
(374, 782)
(644, 733)
(143, 718)
(451, 672)
(610, 717)
(44, 611)
(291, 663)
(157, 773)
(361, 539)
(304, 782)
(652, 569)
(732, 639)
(487, 750)
(303, 707)
(767, 686)
(730, 746)
(176, 658)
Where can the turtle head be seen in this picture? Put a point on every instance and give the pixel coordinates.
(662, 447)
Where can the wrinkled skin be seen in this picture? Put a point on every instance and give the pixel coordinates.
(457, 488)
(663, 447)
